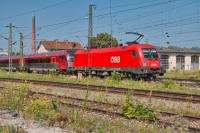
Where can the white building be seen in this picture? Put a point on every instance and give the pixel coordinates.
(185, 59)
(3, 53)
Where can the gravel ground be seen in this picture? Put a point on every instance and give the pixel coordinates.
(13, 119)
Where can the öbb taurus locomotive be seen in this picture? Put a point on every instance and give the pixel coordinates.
(134, 61)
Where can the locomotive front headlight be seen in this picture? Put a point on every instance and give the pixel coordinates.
(144, 63)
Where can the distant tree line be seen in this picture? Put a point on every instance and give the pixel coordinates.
(103, 40)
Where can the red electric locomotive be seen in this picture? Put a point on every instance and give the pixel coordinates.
(135, 61)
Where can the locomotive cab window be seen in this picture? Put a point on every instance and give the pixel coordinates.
(150, 53)
(71, 57)
(135, 54)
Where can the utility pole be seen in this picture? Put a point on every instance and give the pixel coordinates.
(90, 24)
(90, 34)
(10, 43)
(111, 30)
(33, 35)
(21, 51)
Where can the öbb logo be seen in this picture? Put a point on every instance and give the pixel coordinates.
(115, 59)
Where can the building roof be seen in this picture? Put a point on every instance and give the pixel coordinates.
(3, 52)
(60, 45)
(180, 50)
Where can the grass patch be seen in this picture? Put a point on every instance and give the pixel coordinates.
(183, 74)
(114, 81)
(15, 98)
(73, 119)
(83, 122)
(11, 129)
(42, 108)
(19, 100)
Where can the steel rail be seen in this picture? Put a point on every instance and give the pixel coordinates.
(108, 104)
(183, 97)
(97, 107)
(103, 107)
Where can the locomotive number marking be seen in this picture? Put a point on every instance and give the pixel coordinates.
(115, 59)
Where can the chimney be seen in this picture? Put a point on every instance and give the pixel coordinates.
(33, 35)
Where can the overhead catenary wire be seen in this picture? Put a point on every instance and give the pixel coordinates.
(56, 24)
(106, 14)
(136, 8)
(150, 26)
(121, 11)
(150, 14)
(37, 10)
(83, 18)
(46, 7)
(125, 5)
(181, 20)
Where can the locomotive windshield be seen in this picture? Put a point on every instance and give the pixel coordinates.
(150, 53)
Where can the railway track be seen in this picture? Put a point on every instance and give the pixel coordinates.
(113, 109)
(192, 98)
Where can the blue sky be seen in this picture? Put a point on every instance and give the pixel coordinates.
(67, 20)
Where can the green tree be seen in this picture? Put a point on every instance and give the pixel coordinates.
(103, 40)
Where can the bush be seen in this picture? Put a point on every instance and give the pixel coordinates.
(169, 84)
(137, 111)
(115, 76)
(42, 108)
(53, 73)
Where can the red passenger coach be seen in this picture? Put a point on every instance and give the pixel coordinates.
(40, 62)
(46, 61)
(137, 60)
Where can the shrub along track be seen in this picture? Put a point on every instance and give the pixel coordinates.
(182, 97)
(114, 110)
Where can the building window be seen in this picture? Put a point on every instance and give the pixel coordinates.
(194, 62)
(164, 59)
(180, 62)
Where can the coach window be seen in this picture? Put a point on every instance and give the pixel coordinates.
(63, 57)
(14, 61)
(135, 54)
